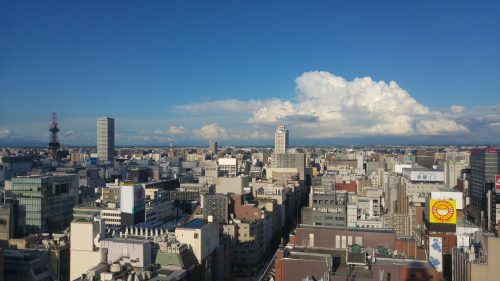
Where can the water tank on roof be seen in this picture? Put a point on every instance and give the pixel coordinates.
(115, 268)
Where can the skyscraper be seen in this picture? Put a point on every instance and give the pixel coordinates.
(212, 146)
(484, 164)
(105, 138)
(280, 140)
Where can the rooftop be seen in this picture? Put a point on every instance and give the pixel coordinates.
(195, 224)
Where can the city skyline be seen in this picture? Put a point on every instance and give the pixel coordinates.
(333, 73)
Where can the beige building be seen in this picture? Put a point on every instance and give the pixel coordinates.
(234, 185)
(483, 264)
(452, 171)
(281, 139)
(85, 237)
(201, 235)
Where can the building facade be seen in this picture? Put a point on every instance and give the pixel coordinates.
(47, 201)
(105, 138)
(484, 166)
(281, 140)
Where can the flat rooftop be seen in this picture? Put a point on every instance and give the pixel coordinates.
(195, 224)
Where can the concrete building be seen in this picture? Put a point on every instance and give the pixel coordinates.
(286, 160)
(109, 213)
(425, 158)
(132, 204)
(11, 222)
(235, 185)
(210, 172)
(328, 208)
(105, 139)
(47, 201)
(85, 245)
(479, 262)
(249, 241)
(281, 139)
(218, 206)
(228, 167)
(137, 251)
(452, 171)
(202, 236)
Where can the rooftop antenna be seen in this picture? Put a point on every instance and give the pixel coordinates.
(54, 140)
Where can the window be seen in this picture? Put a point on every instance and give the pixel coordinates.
(196, 236)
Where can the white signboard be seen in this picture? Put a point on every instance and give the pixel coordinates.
(436, 253)
(424, 176)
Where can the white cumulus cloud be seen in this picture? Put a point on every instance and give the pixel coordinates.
(327, 105)
(174, 130)
(212, 131)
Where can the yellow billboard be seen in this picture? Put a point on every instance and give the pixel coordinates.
(442, 211)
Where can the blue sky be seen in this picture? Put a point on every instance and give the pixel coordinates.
(232, 70)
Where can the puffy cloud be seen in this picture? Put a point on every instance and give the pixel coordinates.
(212, 131)
(439, 126)
(174, 130)
(327, 105)
(5, 133)
(494, 124)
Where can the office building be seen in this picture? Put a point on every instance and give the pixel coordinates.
(484, 166)
(132, 204)
(105, 138)
(286, 160)
(281, 140)
(216, 205)
(326, 207)
(47, 201)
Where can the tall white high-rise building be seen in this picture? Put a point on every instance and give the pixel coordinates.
(281, 140)
(105, 138)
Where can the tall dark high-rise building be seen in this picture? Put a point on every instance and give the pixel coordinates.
(485, 164)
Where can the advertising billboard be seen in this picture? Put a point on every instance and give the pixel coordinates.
(93, 161)
(424, 175)
(497, 182)
(436, 253)
(442, 211)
